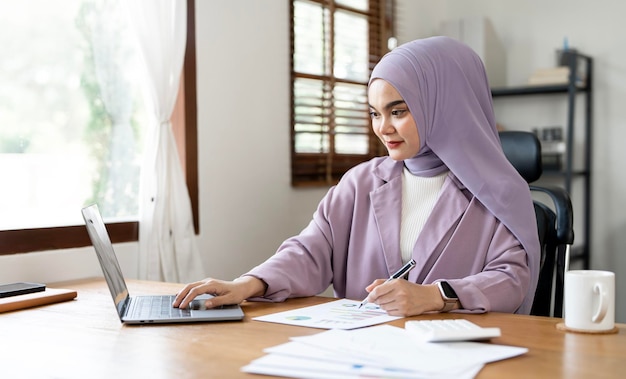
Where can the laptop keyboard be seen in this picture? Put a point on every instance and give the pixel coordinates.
(157, 307)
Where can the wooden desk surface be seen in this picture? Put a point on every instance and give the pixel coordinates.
(84, 338)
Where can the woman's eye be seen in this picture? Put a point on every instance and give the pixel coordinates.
(373, 114)
(398, 112)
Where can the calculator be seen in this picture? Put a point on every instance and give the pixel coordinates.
(449, 330)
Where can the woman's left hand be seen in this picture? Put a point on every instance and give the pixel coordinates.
(399, 297)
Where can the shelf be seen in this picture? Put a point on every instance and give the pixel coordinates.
(577, 253)
(533, 90)
(562, 173)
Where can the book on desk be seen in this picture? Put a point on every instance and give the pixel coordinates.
(49, 296)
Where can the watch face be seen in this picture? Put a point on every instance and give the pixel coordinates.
(448, 291)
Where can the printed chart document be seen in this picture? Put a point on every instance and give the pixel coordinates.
(379, 351)
(339, 314)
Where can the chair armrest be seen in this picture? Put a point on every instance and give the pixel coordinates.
(563, 210)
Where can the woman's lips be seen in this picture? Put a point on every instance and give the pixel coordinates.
(393, 144)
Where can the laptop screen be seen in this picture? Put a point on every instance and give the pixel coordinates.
(104, 250)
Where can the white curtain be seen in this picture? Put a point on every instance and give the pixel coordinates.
(167, 244)
(110, 56)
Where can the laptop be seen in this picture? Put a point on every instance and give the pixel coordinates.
(145, 309)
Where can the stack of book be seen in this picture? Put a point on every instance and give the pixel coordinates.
(550, 76)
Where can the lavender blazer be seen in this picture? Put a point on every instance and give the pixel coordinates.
(354, 238)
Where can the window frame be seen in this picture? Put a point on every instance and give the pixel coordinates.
(184, 123)
(331, 166)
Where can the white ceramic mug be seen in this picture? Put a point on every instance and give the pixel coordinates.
(589, 300)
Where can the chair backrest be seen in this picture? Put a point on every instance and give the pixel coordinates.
(523, 150)
(554, 223)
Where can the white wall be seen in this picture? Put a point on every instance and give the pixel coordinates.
(247, 206)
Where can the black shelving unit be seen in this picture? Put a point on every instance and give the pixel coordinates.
(581, 67)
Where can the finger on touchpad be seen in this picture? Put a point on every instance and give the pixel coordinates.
(197, 305)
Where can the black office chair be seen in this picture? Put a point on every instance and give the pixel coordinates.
(555, 224)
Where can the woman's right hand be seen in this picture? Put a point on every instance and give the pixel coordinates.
(224, 292)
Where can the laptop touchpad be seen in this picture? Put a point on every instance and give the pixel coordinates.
(198, 303)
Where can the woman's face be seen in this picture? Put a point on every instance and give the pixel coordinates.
(392, 122)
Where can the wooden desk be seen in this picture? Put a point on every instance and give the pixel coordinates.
(85, 339)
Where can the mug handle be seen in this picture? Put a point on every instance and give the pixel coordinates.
(603, 306)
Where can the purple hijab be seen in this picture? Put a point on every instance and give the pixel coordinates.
(444, 85)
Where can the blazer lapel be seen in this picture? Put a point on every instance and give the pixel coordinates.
(387, 207)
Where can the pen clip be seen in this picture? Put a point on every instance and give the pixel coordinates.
(404, 270)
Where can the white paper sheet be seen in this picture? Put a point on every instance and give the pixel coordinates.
(306, 368)
(379, 351)
(398, 348)
(339, 314)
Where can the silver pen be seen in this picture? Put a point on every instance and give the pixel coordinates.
(400, 273)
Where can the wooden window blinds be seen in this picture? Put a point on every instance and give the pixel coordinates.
(334, 46)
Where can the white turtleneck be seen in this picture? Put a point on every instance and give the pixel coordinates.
(419, 195)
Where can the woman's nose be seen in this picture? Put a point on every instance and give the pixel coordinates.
(386, 126)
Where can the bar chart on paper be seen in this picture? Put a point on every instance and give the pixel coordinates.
(339, 314)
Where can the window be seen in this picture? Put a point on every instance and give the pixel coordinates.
(335, 45)
(58, 107)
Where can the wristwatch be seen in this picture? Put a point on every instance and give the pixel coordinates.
(450, 299)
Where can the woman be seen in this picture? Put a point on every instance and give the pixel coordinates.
(446, 196)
